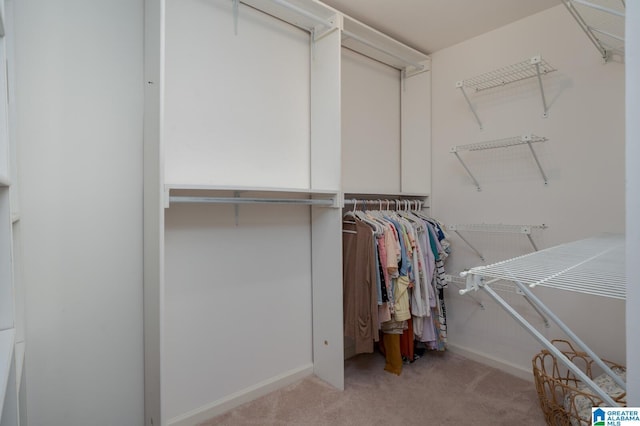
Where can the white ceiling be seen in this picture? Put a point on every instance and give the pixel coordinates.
(431, 25)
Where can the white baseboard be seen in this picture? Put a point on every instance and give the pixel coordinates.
(229, 402)
(491, 361)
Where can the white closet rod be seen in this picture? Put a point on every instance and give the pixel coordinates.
(379, 49)
(233, 200)
(397, 203)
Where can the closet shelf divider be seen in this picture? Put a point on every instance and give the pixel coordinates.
(500, 143)
(533, 67)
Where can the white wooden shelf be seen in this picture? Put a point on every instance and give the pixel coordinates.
(500, 143)
(320, 19)
(4, 181)
(211, 194)
(376, 45)
(533, 67)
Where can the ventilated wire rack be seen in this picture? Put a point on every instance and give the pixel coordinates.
(593, 266)
(509, 74)
(499, 143)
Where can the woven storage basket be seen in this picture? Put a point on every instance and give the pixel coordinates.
(565, 400)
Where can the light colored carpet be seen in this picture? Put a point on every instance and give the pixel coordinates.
(438, 389)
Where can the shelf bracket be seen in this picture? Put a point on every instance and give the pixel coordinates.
(460, 85)
(455, 281)
(583, 25)
(454, 229)
(455, 151)
(527, 139)
(535, 61)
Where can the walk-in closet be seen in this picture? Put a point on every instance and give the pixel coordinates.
(206, 202)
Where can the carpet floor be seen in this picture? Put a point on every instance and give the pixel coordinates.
(437, 389)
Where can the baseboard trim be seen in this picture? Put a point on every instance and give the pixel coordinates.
(229, 402)
(491, 361)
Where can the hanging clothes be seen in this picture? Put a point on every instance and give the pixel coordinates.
(393, 282)
(360, 301)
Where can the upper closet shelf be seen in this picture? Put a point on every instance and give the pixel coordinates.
(210, 194)
(603, 23)
(376, 45)
(500, 143)
(320, 19)
(307, 15)
(533, 67)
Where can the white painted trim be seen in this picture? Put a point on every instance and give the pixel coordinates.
(238, 398)
(491, 361)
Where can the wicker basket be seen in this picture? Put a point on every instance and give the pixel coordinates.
(565, 400)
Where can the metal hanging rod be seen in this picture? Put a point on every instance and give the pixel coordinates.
(397, 204)
(238, 200)
(416, 65)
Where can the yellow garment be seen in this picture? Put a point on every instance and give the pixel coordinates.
(402, 311)
(392, 353)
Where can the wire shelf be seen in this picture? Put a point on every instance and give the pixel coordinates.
(593, 266)
(499, 143)
(484, 227)
(509, 74)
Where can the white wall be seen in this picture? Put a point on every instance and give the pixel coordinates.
(370, 125)
(236, 106)
(237, 300)
(633, 198)
(79, 94)
(583, 158)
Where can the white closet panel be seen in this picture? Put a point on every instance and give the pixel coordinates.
(370, 125)
(237, 105)
(237, 300)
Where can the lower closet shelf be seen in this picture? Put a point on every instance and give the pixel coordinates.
(593, 266)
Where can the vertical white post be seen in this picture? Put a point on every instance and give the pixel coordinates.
(153, 228)
(632, 64)
(326, 234)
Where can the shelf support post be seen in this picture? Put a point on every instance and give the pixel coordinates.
(532, 297)
(453, 228)
(527, 139)
(453, 150)
(536, 62)
(556, 352)
(583, 25)
(460, 85)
